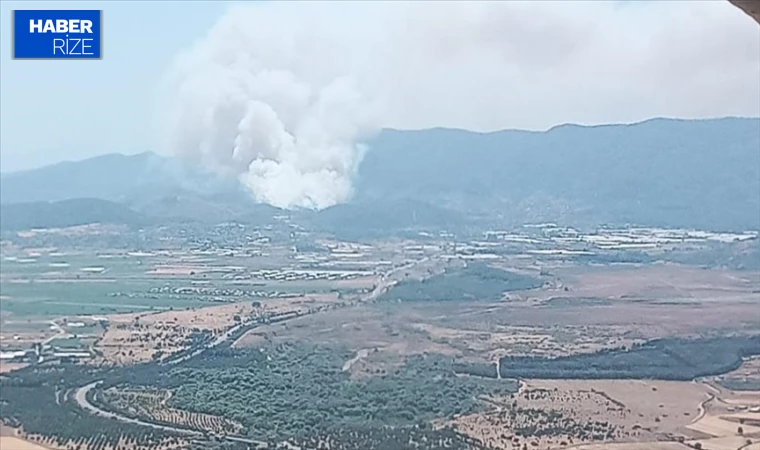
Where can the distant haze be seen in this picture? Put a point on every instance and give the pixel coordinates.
(289, 88)
(702, 174)
(279, 96)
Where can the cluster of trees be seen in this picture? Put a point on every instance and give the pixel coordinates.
(411, 438)
(420, 437)
(35, 409)
(740, 384)
(537, 423)
(150, 407)
(287, 391)
(476, 369)
(301, 390)
(663, 359)
(476, 281)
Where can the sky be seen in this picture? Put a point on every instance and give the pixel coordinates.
(316, 77)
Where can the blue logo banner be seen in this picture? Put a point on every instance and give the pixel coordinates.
(57, 34)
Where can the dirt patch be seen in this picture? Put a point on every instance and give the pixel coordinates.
(356, 283)
(659, 281)
(6, 367)
(138, 337)
(663, 407)
(548, 414)
(15, 443)
(723, 426)
(498, 341)
(635, 446)
(727, 425)
(384, 335)
(726, 443)
(525, 324)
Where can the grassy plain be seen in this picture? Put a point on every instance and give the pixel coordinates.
(53, 284)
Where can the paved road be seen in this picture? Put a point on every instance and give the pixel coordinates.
(220, 339)
(386, 282)
(80, 396)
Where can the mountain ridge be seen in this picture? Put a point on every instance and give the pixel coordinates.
(701, 173)
(152, 154)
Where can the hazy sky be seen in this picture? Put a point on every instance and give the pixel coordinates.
(476, 66)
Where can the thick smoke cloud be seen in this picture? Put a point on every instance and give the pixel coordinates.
(280, 95)
(273, 103)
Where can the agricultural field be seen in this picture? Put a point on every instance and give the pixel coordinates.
(142, 337)
(553, 415)
(152, 405)
(52, 283)
(125, 307)
(637, 411)
(53, 286)
(507, 353)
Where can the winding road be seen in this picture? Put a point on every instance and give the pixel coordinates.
(80, 395)
(701, 408)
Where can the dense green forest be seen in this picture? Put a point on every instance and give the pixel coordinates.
(476, 281)
(40, 401)
(293, 391)
(301, 390)
(663, 359)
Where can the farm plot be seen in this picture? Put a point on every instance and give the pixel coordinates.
(151, 406)
(141, 337)
(548, 414)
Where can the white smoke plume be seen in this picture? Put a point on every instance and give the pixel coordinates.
(274, 103)
(281, 94)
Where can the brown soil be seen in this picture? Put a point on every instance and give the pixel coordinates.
(622, 410)
(136, 337)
